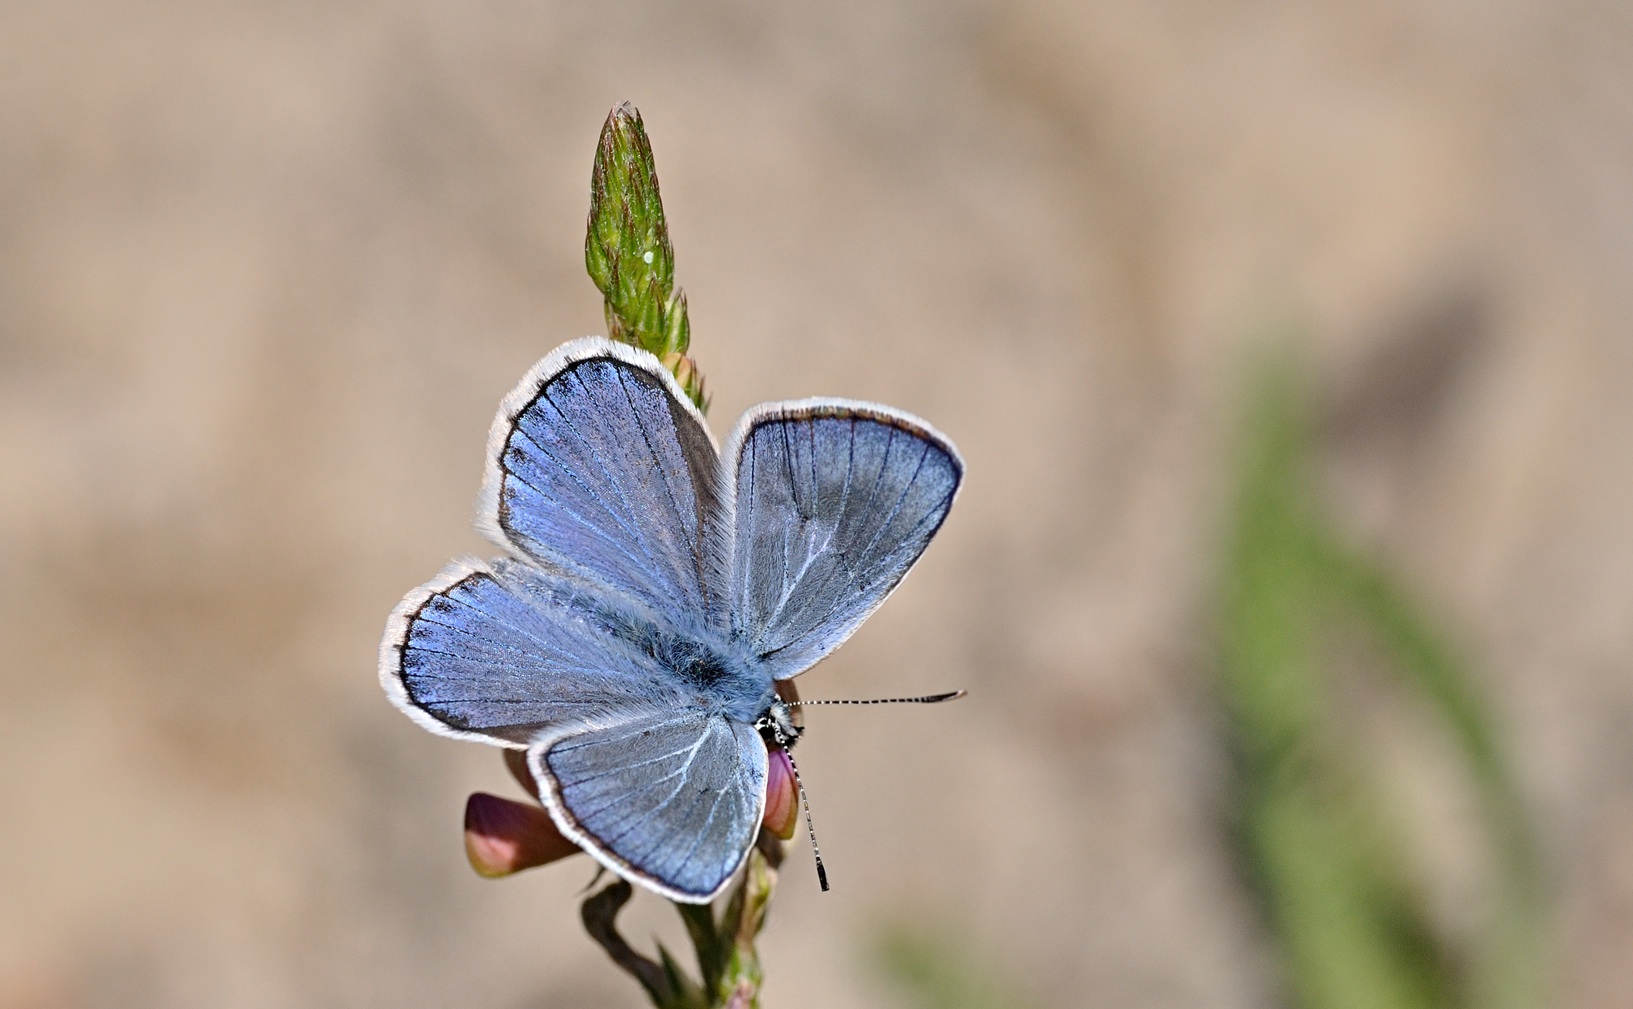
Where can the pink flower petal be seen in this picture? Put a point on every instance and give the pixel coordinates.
(502, 837)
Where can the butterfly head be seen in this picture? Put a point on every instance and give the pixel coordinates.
(777, 725)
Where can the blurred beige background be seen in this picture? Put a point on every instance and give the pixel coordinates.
(267, 268)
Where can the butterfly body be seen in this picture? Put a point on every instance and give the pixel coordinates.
(654, 591)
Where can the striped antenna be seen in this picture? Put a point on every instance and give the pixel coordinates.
(799, 783)
(810, 828)
(951, 695)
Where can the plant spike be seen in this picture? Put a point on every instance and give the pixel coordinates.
(628, 254)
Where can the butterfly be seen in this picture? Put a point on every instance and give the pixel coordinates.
(654, 591)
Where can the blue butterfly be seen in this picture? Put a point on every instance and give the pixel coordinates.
(654, 592)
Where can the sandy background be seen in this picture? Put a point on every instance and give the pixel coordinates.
(266, 269)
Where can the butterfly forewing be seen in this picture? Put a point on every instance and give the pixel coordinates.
(599, 469)
(832, 503)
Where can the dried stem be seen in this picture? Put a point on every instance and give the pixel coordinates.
(727, 960)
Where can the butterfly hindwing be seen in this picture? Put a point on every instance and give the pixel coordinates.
(673, 797)
(599, 467)
(831, 502)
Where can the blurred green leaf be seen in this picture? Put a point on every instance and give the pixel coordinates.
(1510, 972)
(936, 972)
(1327, 857)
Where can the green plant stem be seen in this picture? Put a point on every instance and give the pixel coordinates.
(729, 973)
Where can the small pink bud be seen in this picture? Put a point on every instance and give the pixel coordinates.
(502, 837)
(781, 795)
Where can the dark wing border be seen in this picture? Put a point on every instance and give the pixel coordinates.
(398, 627)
